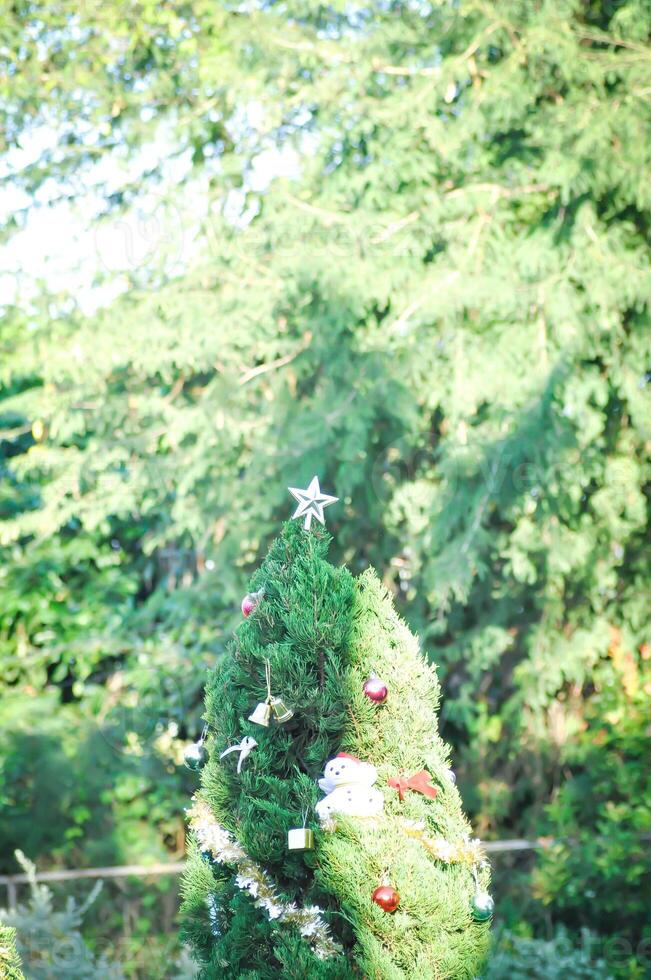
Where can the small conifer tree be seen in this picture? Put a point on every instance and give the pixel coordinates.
(324, 691)
(49, 944)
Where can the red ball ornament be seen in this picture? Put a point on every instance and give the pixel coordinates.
(249, 602)
(376, 690)
(386, 897)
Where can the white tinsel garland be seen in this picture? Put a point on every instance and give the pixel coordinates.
(253, 879)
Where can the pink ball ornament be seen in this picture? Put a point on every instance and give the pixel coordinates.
(376, 690)
(249, 602)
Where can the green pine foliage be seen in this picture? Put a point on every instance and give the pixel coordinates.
(302, 627)
(598, 872)
(432, 934)
(10, 965)
(323, 633)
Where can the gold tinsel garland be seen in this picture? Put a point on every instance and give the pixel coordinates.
(463, 852)
(252, 878)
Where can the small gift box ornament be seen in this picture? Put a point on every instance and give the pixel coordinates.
(300, 838)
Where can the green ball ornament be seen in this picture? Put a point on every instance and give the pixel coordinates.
(482, 906)
(195, 756)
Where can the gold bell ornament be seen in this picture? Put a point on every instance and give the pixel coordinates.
(261, 714)
(271, 707)
(280, 711)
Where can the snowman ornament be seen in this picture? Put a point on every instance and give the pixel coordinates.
(348, 783)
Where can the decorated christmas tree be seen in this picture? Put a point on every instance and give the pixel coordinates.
(328, 838)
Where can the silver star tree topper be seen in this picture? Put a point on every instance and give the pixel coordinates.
(311, 502)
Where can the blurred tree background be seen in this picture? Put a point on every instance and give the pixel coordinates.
(403, 245)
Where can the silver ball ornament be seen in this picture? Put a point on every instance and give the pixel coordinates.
(195, 756)
(482, 906)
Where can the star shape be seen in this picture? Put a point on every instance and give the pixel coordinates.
(311, 502)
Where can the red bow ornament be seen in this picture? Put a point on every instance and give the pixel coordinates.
(420, 782)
